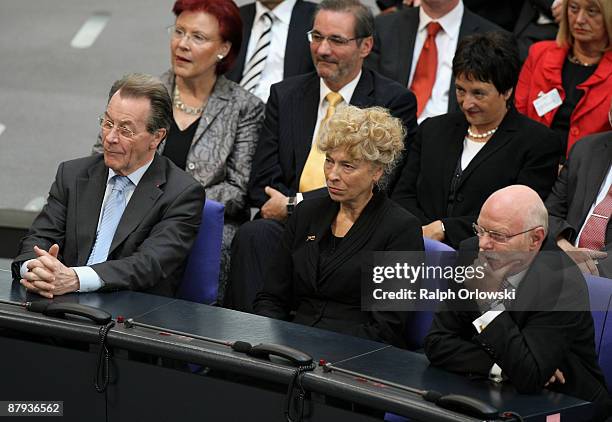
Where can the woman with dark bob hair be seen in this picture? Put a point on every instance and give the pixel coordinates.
(458, 159)
(216, 122)
(576, 69)
(315, 278)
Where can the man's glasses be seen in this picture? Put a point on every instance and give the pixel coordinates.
(196, 38)
(107, 125)
(334, 40)
(497, 236)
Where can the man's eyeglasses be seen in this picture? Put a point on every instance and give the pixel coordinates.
(333, 40)
(107, 125)
(497, 236)
(197, 38)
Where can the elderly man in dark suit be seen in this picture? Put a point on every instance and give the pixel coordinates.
(274, 44)
(125, 219)
(544, 336)
(402, 51)
(285, 168)
(580, 204)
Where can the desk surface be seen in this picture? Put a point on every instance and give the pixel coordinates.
(412, 369)
(360, 355)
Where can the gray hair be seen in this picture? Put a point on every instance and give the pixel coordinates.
(141, 85)
(364, 19)
(536, 215)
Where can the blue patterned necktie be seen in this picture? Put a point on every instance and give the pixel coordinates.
(111, 214)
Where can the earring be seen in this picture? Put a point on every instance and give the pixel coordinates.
(219, 57)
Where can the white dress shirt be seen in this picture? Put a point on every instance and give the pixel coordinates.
(88, 279)
(275, 62)
(446, 43)
(481, 323)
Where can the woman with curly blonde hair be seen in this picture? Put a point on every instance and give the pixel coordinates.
(315, 278)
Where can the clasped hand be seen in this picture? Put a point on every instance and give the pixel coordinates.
(47, 276)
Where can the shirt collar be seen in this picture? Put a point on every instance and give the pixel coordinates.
(516, 279)
(346, 91)
(450, 23)
(282, 12)
(134, 177)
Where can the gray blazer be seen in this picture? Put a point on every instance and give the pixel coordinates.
(224, 143)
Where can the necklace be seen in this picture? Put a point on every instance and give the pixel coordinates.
(481, 135)
(574, 60)
(176, 100)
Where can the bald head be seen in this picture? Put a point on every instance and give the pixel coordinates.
(519, 206)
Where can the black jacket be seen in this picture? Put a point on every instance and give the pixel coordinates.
(520, 152)
(328, 294)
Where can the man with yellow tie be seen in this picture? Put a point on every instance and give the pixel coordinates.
(286, 168)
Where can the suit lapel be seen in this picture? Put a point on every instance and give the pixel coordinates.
(502, 136)
(317, 230)
(247, 14)
(295, 36)
(89, 196)
(304, 121)
(452, 145)
(141, 202)
(357, 236)
(216, 103)
(597, 171)
(410, 19)
(362, 96)
(602, 73)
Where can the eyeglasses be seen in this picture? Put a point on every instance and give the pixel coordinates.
(197, 38)
(497, 236)
(333, 40)
(107, 125)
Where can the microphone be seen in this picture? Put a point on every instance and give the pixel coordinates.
(458, 403)
(238, 346)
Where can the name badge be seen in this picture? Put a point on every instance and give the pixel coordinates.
(547, 102)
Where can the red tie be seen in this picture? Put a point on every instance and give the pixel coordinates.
(593, 234)
(425, 72)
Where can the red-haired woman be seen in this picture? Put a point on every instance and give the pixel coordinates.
(216, 122)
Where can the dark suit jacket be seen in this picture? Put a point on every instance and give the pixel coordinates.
(520, 152)
(394, 44)
(578, 184)
(528, 345)
(154, 235)
(297, 52)
(328, 294)
(289, 123)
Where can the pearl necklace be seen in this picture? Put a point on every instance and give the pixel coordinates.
(481, 135)
(176, 100)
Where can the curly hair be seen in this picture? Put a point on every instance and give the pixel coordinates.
(369, 134)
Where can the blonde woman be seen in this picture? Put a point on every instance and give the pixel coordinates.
(317, 271)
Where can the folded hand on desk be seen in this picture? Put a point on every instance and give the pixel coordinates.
(47, 276)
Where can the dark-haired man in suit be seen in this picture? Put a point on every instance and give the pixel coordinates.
(267, 57)
(124, 219)
(399, 48)
(285, 168)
